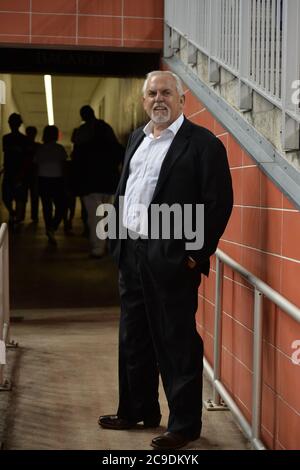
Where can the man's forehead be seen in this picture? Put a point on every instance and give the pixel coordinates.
(161, 81)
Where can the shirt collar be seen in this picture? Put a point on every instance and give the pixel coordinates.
(174, 127)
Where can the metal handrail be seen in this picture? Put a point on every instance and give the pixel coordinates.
(4, 298)
(260, 288)
(260, 285)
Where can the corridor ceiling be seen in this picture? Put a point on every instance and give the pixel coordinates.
(69, 94)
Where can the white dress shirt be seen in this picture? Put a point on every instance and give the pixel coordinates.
(144, 171)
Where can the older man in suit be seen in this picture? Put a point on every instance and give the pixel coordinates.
(170, 161)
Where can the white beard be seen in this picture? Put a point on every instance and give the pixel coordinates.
(160, 117)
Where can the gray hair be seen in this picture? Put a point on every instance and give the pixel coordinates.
(163, 72)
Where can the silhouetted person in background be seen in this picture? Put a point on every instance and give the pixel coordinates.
(50, 160)
(31, 178)
(77, 183)
(97, 155)
(70, 196)
(15, 146)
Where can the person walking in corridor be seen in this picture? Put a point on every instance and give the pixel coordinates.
(50, 160)
(15, 149)
(96, 157)
(169, 161)
(31, 172)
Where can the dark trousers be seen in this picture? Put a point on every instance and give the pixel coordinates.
(32, 189)
(52, 193)
(158, 335)
(8, 194)
(13, 192)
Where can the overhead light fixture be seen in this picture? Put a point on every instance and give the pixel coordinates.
(49, 99)
(2, 92)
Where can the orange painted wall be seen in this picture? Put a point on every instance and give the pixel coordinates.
(114, 23)
(262, 235)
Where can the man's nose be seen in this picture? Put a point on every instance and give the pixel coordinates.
(159, 97)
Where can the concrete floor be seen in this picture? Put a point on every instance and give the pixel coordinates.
(64, 372)
(64, 375)
(45, 276)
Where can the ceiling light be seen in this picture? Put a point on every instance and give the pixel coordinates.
(49, 99)
(2, 92)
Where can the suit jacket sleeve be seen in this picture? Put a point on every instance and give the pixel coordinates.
(215, 192)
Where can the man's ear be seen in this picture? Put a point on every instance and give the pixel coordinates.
(182, 99)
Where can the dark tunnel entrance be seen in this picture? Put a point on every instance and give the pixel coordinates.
(65, 276)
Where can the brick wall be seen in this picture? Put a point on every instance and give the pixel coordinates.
(263, 236)
(113, 23)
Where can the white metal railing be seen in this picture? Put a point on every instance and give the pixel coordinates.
(258, 41)
(252, 431)
(4, 299)
(228, 38)
(266, 46)
(199, 35)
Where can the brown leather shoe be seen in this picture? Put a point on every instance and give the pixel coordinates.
(114, 422)
(170, 440)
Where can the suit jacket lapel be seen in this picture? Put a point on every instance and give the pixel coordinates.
(136, 141)
(176, 149)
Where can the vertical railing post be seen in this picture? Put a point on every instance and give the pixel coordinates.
(214, 40)
(214, 27)
(2, 341)
(245, 93)
(257, 365)
(168, 21)
(4, 301)
(5, 271)
(168, 50)
(218, 327)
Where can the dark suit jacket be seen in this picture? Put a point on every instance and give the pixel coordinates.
(194, 171)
